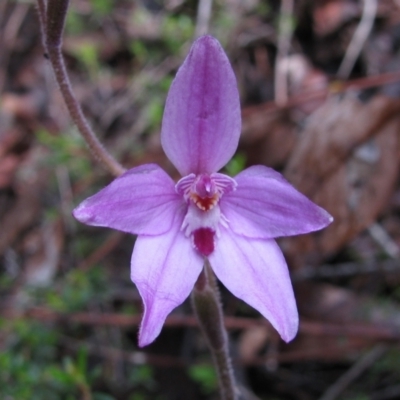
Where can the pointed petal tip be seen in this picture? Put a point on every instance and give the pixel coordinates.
(322, 219)
(202, 120)
(152, 321)
(208, 41)
(146, 337)
(81, 213)
(257, 273)
(288, 326)
(289, 332)
(164, 269)
(266, 205)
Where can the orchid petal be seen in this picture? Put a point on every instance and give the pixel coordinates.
(164, 269)
(255, 271)
(265, 205)
(141, 201)
(202, 122)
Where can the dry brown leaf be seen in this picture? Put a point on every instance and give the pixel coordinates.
(267, 137)
(328, 306)
(347, 161)
(328, 303)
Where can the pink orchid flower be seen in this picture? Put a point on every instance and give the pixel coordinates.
(231, 221)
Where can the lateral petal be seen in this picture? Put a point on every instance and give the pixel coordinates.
(266, 205)
(164, 269)
(202, 120)
(141, 201)
(255, 271)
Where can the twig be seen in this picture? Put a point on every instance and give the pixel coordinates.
(390, 392)
(54, 20)
(203, 17)
(346, 269)
(358, 40)
(102, 251)
(359, 330)
(133, 357)
(384, 240)
(66, 195)
(141, 358)
(354, 372)
(285, 31)
(321, 94)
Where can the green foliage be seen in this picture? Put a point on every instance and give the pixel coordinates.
(75, 291)
(389, 362)
(139, 49)
(154, 112)
(205, 376)
(77, 23)
(176, 30)
(87, 54)
(165, 84)
(142, 375)
(263, 9)
(102, 7)
(236, 164)
(357, 397)
(74, 23)
(5, 281)
(29, 368)
(67, 150)
(34, 364)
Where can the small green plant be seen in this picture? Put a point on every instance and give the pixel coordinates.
(236, 165)
(205, 376)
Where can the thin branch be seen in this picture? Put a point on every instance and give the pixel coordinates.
(203, 17)
(321, 94)
(285, 32)
(102, 251)
(354, 372)
(52, 18)
(359, 38)
(367, 330)
(347, 269)
(380, 235)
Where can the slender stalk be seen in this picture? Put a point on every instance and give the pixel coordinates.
(203, 17)
(207, 306)
(359, 38)
(52, 15)
(285, 32)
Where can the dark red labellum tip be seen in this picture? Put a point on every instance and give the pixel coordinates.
(203, 240)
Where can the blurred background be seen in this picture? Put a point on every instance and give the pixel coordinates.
(320, 89)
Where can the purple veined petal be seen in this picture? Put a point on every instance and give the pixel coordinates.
(141, 201)
(255, 271)
(265, 205)
(202, 121)
(164, 269)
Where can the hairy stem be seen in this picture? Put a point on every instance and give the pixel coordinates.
(52, 15)
(207, 307)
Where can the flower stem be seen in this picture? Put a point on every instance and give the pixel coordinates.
(207, 307)
(52, 16)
